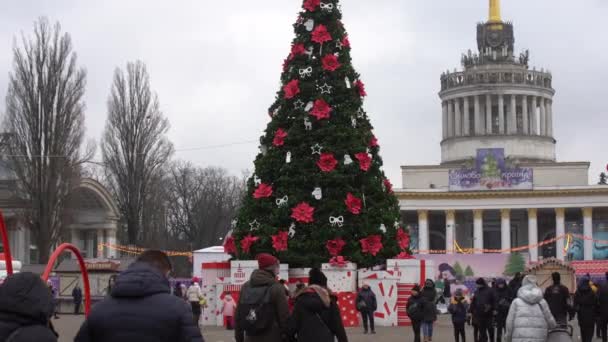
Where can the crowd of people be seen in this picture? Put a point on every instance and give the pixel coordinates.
(141, 306)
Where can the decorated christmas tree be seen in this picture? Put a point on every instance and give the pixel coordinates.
(318, 192)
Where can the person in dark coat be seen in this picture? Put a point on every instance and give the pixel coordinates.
(77, 297)
(557, 296)
(26, 307)
(141, 307)
(504, 297)
(367, 305)
(458, 308)
(429, 291)
(415, 310)
(515, 283)
(316, 315)
(447, 289)
(603, 309)
(586, 307)
(177, 290)
(430, 310)
(482, 308)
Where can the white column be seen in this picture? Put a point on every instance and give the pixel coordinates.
(524, 113)
(588, 232)
(543, 117)
(444, 109)
(512, 122)
(501, 114)
(112, 241)
(423, 232)
(549, 113)
(477, 118)
(478, 231)
(533, 233)
(466, 125)
(533, 116)
(489, 122)
(458, 118)
(505, 230)
(100, 240)
(560, 230)
(450, 118)
(450, 228)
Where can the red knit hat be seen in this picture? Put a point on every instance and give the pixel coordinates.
(266, 260)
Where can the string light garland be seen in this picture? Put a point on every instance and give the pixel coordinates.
(138, 250)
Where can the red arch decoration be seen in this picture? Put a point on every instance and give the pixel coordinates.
(83, 271)
(8, 258)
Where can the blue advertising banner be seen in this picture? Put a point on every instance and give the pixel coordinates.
(491, 173)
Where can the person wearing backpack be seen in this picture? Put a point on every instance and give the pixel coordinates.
(262, 311)
(316, 315)
(195, 295)
(26, 307)
(458, 308)
(367, 305)
(415, 310)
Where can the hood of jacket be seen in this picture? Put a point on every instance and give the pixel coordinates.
(584, 285)
(429, 283)
(262, 278)
(25, 299)
(314, 298)
(530, 294)
(140, 280)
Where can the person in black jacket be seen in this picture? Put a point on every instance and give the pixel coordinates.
(429, 291)
(367, 305)
(415, 310)
(77, 297)
(515, 284)
(504, 297)
(316, 315)
(603, 309)
(557, 296)
(458, 308)
(586, 307)
(141, 307)
(482, 309)
(26, 307)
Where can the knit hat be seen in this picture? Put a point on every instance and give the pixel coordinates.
(266, 260)
(316, 277)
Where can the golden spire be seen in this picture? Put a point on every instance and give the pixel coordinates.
(495, 11)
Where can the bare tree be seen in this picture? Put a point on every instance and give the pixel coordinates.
(134, 144)
(45, 121)
(202, 202)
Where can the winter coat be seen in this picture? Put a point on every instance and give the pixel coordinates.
(369, 298)
(194, 293)
(25, 304)
(458, 308)
(229, 307)
(415, 308)
(316, 317)
(77, 295)
(278, 331)
(585, 303)
(603, 301)
(429, 292)
(483, 304)
(529, 318)
(140, 308)
(514, 286)
(503, 301)
(557, 296)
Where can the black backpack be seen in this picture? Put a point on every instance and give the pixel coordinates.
(255, 311)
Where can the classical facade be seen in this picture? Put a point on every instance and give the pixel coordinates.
(499, 187)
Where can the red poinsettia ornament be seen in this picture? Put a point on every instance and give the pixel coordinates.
(345, 42)
(330, 62)
(303, 213)
(353, 204)
(311, 5)
(230, 245)
(263, 191)
(338, 261)
(327, 162)
(388, 185)
(371, 244)
(297, 49)
(403, 239)
(361, 88)
(373, 142)
(404, 256)
(334, 247)
(279, 137)
(279, 241)
(365, 161)
(320, 34)
(247, 242)
(292, 89)
(320, 110)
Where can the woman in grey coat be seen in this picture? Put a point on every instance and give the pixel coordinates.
(529, 318)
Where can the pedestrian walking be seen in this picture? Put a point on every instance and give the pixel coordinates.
(603, 309)
(515, 283)
(55, 299)
(316, 315)
(557, 296)
(228, 309)
(586, 307)
(367, 305)
(458, 308)
(141, 307)
(195, 295)
(430, 313)
(26, 309)
(77, 297)
(529, 318)
(482, 309)
(504, 297)
(177, 290)
(262, 311)
(415, 310)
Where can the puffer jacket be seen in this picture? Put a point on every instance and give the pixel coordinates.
(367, 296)
(194, 293)
(429, 291)
(585, 302)
(503, 300)
(529, 318)
(25, 308)
(415, 308)
(140, 308)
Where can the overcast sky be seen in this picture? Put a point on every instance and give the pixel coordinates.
(216, 65)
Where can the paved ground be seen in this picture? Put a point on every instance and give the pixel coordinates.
(68, 325)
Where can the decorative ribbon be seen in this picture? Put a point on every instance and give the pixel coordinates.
(336, 221)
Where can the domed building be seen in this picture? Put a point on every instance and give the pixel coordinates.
(499, 187)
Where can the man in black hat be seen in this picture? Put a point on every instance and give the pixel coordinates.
(557, 296)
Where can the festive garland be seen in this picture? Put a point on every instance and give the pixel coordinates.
(138, 250)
